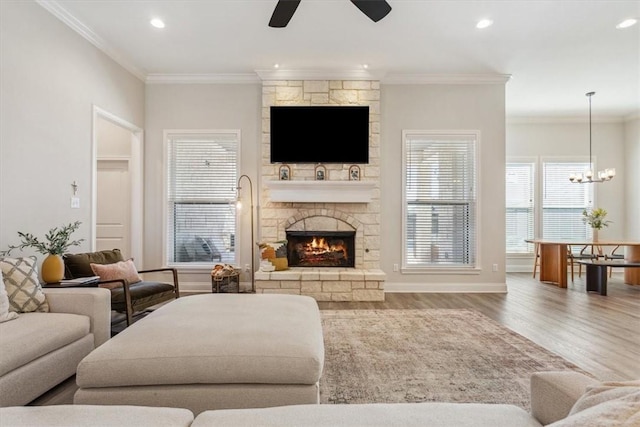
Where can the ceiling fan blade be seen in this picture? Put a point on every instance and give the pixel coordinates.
(283, 12)
(374, 9)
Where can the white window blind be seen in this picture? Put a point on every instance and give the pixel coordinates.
(201, 217)
(440, 200)
(520, 215)
(563, 202)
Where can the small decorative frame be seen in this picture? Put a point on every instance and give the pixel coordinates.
(354, 173)
(284, 173)
(321, 173)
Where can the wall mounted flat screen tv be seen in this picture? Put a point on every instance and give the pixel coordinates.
(320, 134)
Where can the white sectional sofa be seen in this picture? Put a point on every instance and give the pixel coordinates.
(40, 350)
(563, 399)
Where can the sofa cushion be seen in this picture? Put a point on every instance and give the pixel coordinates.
(20, 277)
(125, 270)
(94, 415)
(33, 335)
(606, 404)
(79, 265)
(373, 414)
(5, 314)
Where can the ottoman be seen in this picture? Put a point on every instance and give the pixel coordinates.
(204, 352)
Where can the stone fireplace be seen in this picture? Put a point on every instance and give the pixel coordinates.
(346, 214)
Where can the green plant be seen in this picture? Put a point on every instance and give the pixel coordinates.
(57, 240)
(595, 218)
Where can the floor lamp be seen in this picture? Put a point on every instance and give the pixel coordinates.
(239, 206)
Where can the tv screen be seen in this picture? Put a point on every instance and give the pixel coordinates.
(320, 134)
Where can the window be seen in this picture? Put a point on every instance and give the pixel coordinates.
(520, 196)
(201, 190)
(439, 199)
(564, 201)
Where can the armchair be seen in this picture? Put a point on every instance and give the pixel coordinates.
(126, 297)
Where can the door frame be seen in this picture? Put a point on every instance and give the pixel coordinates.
(136, 231)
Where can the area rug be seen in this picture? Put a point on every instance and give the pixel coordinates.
(431, 355)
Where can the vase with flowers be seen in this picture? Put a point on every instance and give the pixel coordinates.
(56, 242)
(596, 220)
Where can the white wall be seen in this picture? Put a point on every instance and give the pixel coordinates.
(445, 107)
(571, 140)
(198, 106)
(50, 79)
(632, 190)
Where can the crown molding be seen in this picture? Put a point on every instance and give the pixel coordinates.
(240, 78)
(319, 74)
(72, 22)
(561, 119)
(445, 79)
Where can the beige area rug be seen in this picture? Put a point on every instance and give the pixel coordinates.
(440, 355)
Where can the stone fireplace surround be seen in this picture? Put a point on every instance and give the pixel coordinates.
(365, 282)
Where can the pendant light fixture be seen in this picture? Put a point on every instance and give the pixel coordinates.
(587, 176)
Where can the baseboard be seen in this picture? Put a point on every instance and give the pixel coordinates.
(399, 287)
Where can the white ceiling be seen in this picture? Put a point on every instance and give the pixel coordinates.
(555, 51)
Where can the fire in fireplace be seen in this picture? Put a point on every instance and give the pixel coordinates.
(321, 248)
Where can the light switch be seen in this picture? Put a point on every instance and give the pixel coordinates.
(75, 203)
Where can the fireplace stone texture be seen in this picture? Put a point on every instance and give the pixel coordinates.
(365, 282)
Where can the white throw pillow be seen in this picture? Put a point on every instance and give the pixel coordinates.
(5, 314)
(606, 404)
(20, 277)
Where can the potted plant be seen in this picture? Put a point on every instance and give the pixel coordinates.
(595, 219)
(56, 243)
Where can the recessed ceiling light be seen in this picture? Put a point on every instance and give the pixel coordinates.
(276, 65)
(157, 22)
(484, 23)
(627, 23)
(365, 66)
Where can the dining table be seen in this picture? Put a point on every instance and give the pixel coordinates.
(553, 257)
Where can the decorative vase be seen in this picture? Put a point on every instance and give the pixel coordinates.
(595, 235)
(52, 269)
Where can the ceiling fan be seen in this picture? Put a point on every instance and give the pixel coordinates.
(374, 9)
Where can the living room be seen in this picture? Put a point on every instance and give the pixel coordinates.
(55, 83)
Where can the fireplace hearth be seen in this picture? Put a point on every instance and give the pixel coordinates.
(321, 248)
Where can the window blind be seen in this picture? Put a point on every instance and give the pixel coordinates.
(440, 200)
(563, 202)
(520, 214)
(201, 216)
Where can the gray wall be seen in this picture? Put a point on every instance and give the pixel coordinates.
(50, 79)
(445, 107)
(198, 106)
(632, 179)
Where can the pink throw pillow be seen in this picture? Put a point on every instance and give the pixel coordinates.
(120, 270)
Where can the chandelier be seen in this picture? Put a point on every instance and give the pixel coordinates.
(588, 176)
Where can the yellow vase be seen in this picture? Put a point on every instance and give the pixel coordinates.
(52, 269)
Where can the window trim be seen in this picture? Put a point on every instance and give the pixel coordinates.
(445, 270)
(166, 134)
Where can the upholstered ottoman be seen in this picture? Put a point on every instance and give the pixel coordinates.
(211, 352)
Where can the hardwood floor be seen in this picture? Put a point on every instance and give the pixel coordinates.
(600, 334)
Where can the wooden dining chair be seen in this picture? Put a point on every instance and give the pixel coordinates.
(536, 259)
(613, 255)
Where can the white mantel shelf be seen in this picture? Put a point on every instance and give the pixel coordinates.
(321, 191)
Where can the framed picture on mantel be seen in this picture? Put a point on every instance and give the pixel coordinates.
(321, 173)
(284, 173)
(354, 173)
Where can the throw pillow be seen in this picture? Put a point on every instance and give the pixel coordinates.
(275, 253)
(5, 314)
(120, 270)
(20, 277)
(79, 265)
(606, 404)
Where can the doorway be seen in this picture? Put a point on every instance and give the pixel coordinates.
(117, 185)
